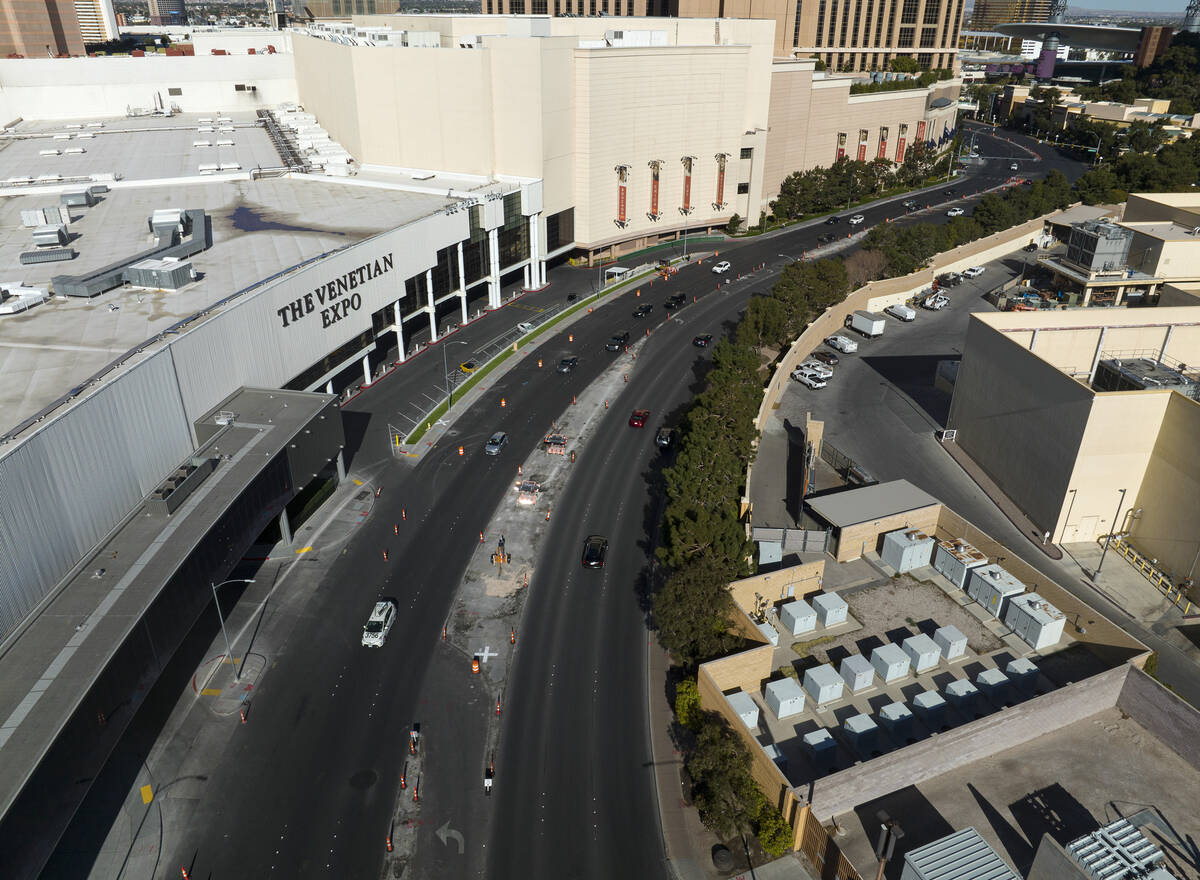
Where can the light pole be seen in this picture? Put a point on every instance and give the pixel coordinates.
(1099, 138)
(446, 373)
(1108, 540)
(228, 647)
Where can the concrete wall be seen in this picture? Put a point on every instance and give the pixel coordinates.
(960, 746)
(854, 541)
(90, 88)
(797, 581)
(1169, 493)
(1051, 862)
(1162, 713)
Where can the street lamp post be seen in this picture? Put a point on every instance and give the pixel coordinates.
(1099, 139)
(1108, 540)
(446, 373)
(228, 647)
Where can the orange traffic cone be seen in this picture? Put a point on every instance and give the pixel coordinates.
(475, 665)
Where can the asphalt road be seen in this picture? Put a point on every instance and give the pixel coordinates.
(310, 785)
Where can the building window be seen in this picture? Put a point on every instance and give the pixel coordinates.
(337, 6)
(604, 6)
(820, 24)
(743, 188)
(932, 11)
(845, 23)
(517, 7)
(538, 7)
(857, 21)
(905, 40)
(909, 14)
(747, 153)
(925, 59)
(174, 93)
(796, 32)
(360, 7)
(889, 36)
(866, 34)
(557, 8)
(560, 230)
(928, 38)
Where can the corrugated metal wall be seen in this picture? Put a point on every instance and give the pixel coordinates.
(66, 486)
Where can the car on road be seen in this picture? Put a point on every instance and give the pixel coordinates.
(643, 310)
(910, 204)
(495, 443)
(1014, 167)
(594, 549)
(525, 327)
(674, 302)
(811, 380)
(826, 238)
(468, 367)
(566, 365)
(816, 368)
(832, 219)
(826, 357)
(721, 268)
(617, 341)
(949, 191)
(954, 212)
(702, 341)
(383, 615)
(664, 438)
(856, 220)
(974, 271)
(638, 419)
(842, 344)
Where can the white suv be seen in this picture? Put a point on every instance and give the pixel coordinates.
(383, 615)
(721, 268)
(857, 219)
(973, 272)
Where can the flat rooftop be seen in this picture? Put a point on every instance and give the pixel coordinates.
(853, 506)
(259, 228)
(1166, 231)
(47, 667)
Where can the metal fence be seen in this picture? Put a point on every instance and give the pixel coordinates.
(835, 458)
(823, 853)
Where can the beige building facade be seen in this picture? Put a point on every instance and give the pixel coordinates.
(1080, 462)
(37, 28)
(639, 135)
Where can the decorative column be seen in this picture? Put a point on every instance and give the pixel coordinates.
(462, 283)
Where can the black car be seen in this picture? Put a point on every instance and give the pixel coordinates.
(826, 357)
(664, 438)
(643, 310)
(566, 365)
(949, 191)
(832, 219)
(675, 301)
(617, 341)
(702, 340)
(911, 205)
(594, 549)
(826, 238)
(1030, 248)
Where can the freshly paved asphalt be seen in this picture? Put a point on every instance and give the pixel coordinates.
(309, 786)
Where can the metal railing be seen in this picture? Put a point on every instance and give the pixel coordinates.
(1177, 594)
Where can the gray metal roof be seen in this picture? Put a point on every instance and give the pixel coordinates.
(870, 503)
(963, 855)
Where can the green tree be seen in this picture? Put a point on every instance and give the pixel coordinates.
(734, 224)
(764, 323)
(904, 64)
(724, 791)
(1098, 187)
(774, 834)
(691, 614)
(687, 704)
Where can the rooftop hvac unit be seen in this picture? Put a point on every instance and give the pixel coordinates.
(231, 166)
(954, 559)
(224, 119)
(205, 120)
(74, 150)
(166, 219)
(1035, 621)
(890, 662)
(205, 129)
(823, 684)
(831, 608)
(78, 198)
(745, 707)
(857, 672)
(992, 587)
(226, 128)
(73, 125)
(906, 549)
(49, 255)
(784, 697)
(49, 178)
(95, 125)
(62, 137)
(225, 143)
(209, 167)
(49, 152)
(161, 274)
(201, 143)
(86, 135)
(50, 236)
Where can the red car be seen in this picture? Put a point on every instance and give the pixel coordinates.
(638, 419)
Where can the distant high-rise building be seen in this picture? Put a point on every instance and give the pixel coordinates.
(341, 8)
(989, 13)
(37, 28)
(97, 20)
(168, 12)
(845, 34)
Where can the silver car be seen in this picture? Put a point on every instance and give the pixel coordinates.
(495, 443)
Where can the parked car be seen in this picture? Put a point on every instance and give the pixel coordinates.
(949, 279)
(1031, 248)
(643, 310)
(826, 238)
(1014, 167)
(974, 271)
(566, 365)
(702, 341)
(843, 344)
(826, 357)
(811, 380)
(594, 549)
(936, 302)
(495, 443)
(664, 438)
(638, 418)
(468, 367)
(901, 313)
(617, 341)
(721, 268)
(954, 212)
(383, 615)
(816, 368)
(857, 219)
(525, 327)
(832, 219)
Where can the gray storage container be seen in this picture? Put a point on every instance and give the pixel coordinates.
(897, 720)
(775, 754)
(823, 684)
(798, 617)
(769, 633)
(862, 732)
(963, 855)
(923, 652)
(906, 549)
(78, 198)
(931, 706)
(962, 694)
(831, 608)
(994, 685)
(820, 745)
(890, 662)
(745, 707)
(950, 641)
(953, 559)
(991, 586)
(50, 235)
(784, 697)
(1022, 672)
(160, 274)
(1035, 621)
(857, 672)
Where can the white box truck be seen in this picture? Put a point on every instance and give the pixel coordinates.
(869, 324)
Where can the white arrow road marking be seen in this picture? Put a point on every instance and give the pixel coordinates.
(447, 833)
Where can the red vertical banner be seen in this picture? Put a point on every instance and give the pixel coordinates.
(862, 144)
(900, 143)
(920, 131)
(621, 203)
(883, 135)
(841, 145)
(720, 203)
(622, 181)
(687, 184)
(654, 171)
